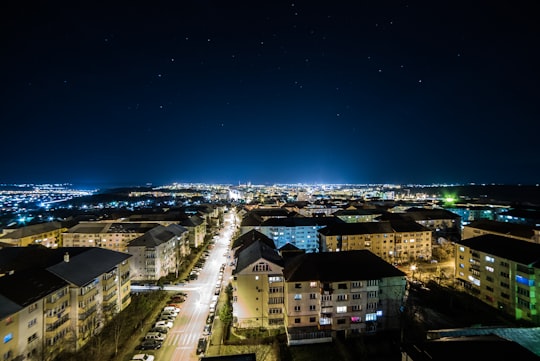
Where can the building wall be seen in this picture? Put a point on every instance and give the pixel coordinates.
(501, 283)
(257, 296)
(348, 306)
(392, 247)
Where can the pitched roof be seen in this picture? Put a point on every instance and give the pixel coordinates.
(157, 236)
(301, 222)
(514, 229)
(30, 285)
(356, 228)
(523, 252)
(249, 237)
(428, 214)
(339, 266)
(33, 230)
(85, 263)
(256, 251)
(86, 266)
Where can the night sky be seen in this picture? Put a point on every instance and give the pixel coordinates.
(270, 92)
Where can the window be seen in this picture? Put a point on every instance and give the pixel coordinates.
(342, 297)
(356, 307)
(296, 308)
(373, 283)
(356, 319)
(313, 284)
(312, 319)
(298, 296)
(274, 311)
(312, 307)
(490, 259)
(32, 338)
(356, 296)
(490, 269)
(341, 321)
(312, 296)
(296, 320)
(356, 284)
(32, 322)
(371, 317)
(297, 285)
(8, 337)
(261, 267)
(275, 279)
(342, 286)
(372, 294)
(341, 309)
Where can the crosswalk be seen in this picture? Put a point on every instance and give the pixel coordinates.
(181, 339)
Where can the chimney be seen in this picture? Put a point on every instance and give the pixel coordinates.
(66, 257)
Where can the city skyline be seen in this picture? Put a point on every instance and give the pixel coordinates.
(271, 92)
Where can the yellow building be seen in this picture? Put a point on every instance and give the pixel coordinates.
(110, 235)
(502, 272)
(511, 230)
(393, 241)
(43, 234)
(333, 293)
(258, 288)
(56, 300)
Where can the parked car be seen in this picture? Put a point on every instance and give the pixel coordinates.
(167, 318)
(159, 329)
(155, 336)
(142, 357)
(201, 345)
(150, 345)
(167, 324)
(207, 329)
(171, 308)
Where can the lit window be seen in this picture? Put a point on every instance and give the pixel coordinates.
(490, 259)
(341, 309)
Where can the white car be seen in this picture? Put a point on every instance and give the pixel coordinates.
(142, 357)
(167, 324)
(171, 309)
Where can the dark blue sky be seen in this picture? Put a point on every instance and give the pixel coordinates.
(270, 91)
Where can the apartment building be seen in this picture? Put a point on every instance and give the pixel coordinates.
(196, 227)
(157, 253)
(523, 232)
(109, 235)
(301, 232)
(358, 215)
(258, 288)
(44, 234)
(56, 299)
(332, 293)
(314, 296)
(502, 272)
(394, 241)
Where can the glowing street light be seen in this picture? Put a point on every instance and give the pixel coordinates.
(413, 268)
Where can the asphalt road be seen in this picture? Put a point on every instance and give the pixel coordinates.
(181, 341)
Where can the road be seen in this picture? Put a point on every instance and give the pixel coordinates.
(181, 341)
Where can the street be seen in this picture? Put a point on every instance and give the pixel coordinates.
(181, 341)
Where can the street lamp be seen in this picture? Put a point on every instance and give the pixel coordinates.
(413, 268)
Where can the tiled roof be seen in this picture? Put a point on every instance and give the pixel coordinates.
(33, 230)
(339, 266)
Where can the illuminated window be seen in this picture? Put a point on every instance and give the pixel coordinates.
(371, 317)
(341, 309)
(297, 296)
(490, 269)
(490, 259)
